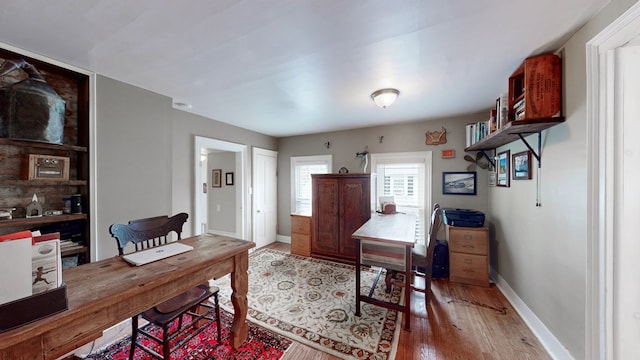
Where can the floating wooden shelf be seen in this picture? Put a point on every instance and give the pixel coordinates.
(512, 131)
(30, 222)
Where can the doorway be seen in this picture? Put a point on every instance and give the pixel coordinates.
(265, 196)
(204, 149)
(613, 293)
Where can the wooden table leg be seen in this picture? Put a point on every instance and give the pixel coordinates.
(239, 285)
(407, 289)
(358, 277)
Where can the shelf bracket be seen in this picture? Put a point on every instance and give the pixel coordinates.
(537, 155)
(493, 164)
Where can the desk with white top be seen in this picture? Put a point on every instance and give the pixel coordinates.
(103, 293)
(386, 241)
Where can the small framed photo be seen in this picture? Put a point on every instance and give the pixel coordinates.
(459, 183)
(521, 163)
(228, 178)
(216, 178)
(502, 169)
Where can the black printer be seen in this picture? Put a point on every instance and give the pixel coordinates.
(463, 217)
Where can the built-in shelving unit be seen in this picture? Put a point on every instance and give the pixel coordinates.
(17, 189)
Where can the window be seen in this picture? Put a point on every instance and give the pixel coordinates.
(301, 169)
(407, 178)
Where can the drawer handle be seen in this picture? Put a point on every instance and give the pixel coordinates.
(468, 236)
(470, 246)
(468, 261)
(468, 270)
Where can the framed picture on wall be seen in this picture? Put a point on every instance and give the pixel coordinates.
(521, 163)
(502, 168)
(459, 183)
(216, 178)
(228, 178)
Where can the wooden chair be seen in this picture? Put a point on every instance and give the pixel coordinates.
(148, 233)
(422, 254)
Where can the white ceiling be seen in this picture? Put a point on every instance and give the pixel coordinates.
(289, 67)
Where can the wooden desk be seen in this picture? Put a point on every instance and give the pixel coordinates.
(386, 241)
(103, 293)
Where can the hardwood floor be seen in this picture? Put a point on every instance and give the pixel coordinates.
(463, 322)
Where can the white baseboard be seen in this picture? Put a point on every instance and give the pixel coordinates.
(283, 239)
(554, 347)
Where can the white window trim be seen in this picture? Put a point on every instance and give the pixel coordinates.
(302, 160)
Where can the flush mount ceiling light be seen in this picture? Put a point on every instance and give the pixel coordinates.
(385, 97)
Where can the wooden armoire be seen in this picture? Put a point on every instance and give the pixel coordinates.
(341, 204)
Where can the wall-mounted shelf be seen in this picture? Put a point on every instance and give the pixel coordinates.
(28, 222)
(510, 132)
(513, 131)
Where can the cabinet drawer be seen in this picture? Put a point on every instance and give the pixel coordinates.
(468, 240)
(300, 224)
(469, 269)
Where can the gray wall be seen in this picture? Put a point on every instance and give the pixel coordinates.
(133, 157)
(397, 138)
(145, 157)
(541, 251)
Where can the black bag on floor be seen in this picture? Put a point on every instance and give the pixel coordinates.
(440, 268)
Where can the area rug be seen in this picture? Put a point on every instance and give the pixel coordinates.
(261, 344)
(312, 301)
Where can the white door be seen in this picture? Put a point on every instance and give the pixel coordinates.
(265, 196)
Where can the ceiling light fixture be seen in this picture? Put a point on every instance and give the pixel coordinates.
(385, 97)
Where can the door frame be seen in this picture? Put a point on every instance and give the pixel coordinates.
(241, 182)
(601, 128)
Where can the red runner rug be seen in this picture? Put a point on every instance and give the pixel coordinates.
(261, 344)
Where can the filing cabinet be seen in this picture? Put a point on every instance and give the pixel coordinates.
(468, 255)
(301, 234)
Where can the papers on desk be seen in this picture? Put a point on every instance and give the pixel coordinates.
(15, 266)
(46, 263)
(29, 264)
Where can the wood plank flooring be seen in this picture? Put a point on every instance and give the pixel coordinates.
(463, 322)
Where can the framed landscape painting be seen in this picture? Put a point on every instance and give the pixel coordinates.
(459, 183)
(522, 165)
(502, 168)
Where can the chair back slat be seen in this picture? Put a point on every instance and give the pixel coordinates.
(147, 233)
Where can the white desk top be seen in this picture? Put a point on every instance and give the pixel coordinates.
(395, 228)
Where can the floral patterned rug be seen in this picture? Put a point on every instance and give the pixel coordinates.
(312, 301)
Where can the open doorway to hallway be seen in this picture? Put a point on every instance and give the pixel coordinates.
(220, 204)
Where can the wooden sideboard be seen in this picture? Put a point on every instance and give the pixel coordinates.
(340, 205)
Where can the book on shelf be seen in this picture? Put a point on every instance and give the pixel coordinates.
(502, 108)
(475, 132)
